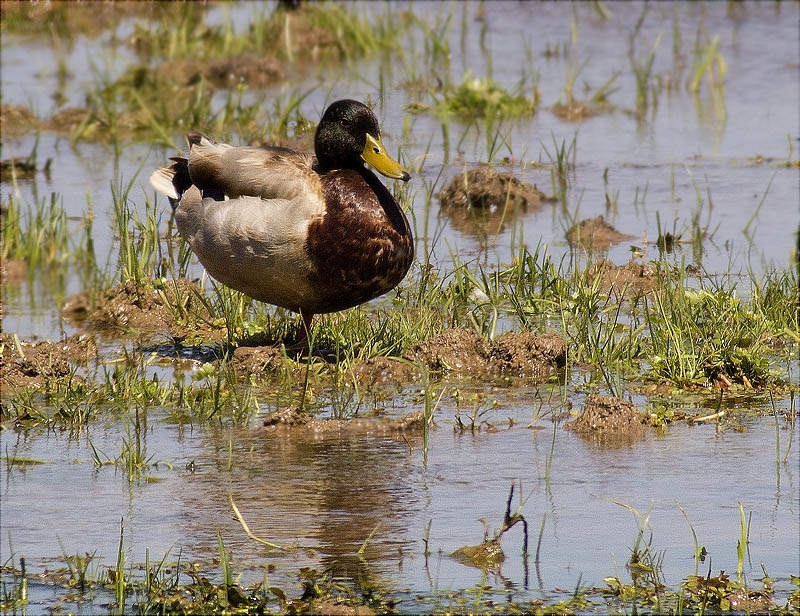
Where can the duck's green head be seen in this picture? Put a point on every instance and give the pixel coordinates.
(348, 135)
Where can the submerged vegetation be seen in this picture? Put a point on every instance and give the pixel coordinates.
(154, 341)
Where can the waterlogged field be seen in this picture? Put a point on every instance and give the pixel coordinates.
(581, 399)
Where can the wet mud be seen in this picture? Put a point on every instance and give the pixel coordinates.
(143, 308)
(487, 189)
(574, 111)
(377, 371)
(258, 360)
(595, 235)
(610, 422)
(303, 424)
(20, 168)
(254, 71)
(17, 120)
(630, 280)
(461, 352)
(150, 311)
(32, 365)
(455, 352)
(12, 271)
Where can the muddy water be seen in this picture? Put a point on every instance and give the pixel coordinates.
(326, 496)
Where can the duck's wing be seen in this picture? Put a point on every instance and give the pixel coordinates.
(253, 245)
(221, 170)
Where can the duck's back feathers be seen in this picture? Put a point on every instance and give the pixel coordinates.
(269, 173)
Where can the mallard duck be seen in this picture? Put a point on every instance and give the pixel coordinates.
(312, 233)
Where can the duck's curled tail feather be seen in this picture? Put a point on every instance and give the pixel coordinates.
(172, 181)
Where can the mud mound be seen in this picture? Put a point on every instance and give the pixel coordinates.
(255, 71)
(574, 111)
(486, 188)
(384, 371)
(308, 41)
(12, 271)
(631, 279)
(527, 354)
(85, 123)
(595, 234)
(609, 421)
(464, 353)
(293, 419)
(19, 168)
(68, 120)
(30, 365)
(454, 350)
(139, 307)
(261, 360)
(16, 120)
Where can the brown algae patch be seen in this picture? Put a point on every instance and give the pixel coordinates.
(609, 421)
(30, 365)
(595, 234)
(292, 418)
(489, 554)
(487, 188)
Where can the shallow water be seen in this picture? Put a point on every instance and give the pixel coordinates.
(324, 496)
(327, 496)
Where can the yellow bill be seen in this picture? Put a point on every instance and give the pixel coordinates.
(375, 155)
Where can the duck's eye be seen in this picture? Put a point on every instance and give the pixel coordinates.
(376, 149)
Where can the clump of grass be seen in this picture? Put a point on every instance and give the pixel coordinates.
(708, 61)
(703, 337)
(138, 239)
(312, 30)
(481, 98)
(562, 161)
(37, 234)
(13, 586)
(776, 296)
(151, 101)
(62, 21)
(642, 66)
(597, 328)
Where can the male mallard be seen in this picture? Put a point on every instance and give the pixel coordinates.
(310, 233)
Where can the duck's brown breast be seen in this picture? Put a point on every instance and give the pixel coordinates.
(361, 247)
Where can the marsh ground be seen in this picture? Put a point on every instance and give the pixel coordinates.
(655, 261)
